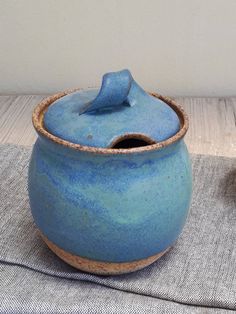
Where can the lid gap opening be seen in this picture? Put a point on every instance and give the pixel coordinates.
(129, 141)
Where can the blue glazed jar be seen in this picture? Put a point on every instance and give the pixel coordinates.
(110, 177)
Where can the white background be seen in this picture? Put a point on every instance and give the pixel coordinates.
(175, 47)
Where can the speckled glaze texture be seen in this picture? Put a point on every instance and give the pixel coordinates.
(147, 115)
(109, 206)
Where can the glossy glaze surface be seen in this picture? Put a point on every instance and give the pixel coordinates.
(110, 208)
(119, 205)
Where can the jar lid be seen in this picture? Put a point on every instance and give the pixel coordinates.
(119, 115)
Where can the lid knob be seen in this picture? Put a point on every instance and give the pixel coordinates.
(114, 92)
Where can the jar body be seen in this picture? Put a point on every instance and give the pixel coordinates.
(110, 207)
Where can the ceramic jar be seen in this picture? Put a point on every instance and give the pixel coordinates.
(110, 177)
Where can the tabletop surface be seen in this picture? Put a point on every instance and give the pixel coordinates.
(212, 128)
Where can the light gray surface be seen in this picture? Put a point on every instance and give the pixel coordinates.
(198, 275)
(178, 46)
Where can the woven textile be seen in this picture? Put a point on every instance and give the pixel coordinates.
(198, 275)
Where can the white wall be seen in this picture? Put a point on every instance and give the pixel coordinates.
(176, 47)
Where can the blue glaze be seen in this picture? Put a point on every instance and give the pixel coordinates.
(114, 208)
(110, 207)
(114, 92)
(146, 114)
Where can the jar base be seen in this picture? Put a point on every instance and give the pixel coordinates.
(99, 267)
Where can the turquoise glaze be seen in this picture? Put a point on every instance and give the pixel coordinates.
(147, 114)
(106, 206)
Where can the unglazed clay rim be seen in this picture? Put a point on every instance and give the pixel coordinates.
(38, 115)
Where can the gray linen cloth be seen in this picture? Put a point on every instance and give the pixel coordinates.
(198, 275)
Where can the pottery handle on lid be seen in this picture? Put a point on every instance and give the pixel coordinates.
(114, 92)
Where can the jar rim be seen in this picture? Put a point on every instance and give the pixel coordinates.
(38, 118)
